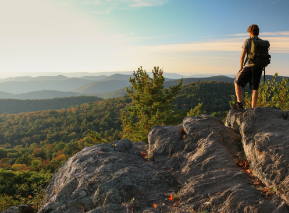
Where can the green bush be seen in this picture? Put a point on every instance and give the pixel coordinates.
(7, 201)
(271, 93)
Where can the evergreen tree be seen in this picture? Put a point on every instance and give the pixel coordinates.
(151, 104)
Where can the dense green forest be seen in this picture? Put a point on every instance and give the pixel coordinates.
(14, 106)
(34, 144)
(168, 83)
(215, 96)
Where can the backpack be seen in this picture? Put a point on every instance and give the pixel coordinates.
(259, 54)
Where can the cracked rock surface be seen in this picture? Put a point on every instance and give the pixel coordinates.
(204, 163)
(105, 178)
(265, 138)
(193, 161)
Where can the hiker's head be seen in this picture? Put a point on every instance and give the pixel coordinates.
(254, 29)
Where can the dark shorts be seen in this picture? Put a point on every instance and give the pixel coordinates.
(245, 76)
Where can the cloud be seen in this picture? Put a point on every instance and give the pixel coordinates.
(92, 2)
(146, 3)
(141, 38)
(208, 36)
(121, 3)
(239, 34)
(278, 45)
(123, 35)
(282, 33)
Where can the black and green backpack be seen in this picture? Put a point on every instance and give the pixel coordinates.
(259, 54)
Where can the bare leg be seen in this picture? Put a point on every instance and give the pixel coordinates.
(238, 93)
(254, 98)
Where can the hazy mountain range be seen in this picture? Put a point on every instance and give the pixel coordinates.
(95, 74)
(43, 94)
(103, 86)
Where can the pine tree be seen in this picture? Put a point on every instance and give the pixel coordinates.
(151, 104)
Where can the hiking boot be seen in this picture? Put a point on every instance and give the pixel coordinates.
(237, 106)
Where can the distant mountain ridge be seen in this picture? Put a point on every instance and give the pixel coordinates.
(102, 86)
(121, 92)
(43, 94)
(29, 78)
(95, 78)
(13, 106)
(65, 85)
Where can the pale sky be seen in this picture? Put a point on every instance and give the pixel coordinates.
(181, 36)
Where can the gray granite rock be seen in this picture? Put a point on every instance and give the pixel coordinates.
(265, 138)
(141, 146)
(201, 154)
(105, 178)
(12, 209)
(19, 209)
(194, 161)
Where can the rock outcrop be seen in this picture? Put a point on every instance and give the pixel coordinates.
(106, 178)
(193, 161)
(265, 138)
(203, 159)
(20, 209)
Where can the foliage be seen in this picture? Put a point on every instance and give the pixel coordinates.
(271, 93)
(22, 187)
(196, 111)
(47, 127)
(151, 104)
(21, 182)
(13, 106)
(214, 96)
(44, 140)
(6, 201)
(95, 137)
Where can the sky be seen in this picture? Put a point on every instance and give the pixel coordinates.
(187, 37)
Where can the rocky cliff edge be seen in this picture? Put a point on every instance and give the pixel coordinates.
(200, 165)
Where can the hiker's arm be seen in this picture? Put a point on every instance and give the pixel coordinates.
(242, 58)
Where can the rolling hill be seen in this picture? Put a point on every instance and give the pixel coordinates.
(102, 86)
(13, 106)
(29, 78)
(43, 94)
(94, 78)
(118, 77)
(18, 87)
(121, 92)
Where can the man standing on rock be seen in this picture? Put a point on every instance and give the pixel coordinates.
(248, 73)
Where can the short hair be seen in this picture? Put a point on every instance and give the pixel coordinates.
(253, 28)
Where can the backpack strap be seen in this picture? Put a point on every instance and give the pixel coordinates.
(245, 61)
(247, 52)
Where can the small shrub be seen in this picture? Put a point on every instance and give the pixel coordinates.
(34, 201)
(270, 93)
(7, 201)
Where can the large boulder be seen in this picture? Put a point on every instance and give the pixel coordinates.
(265, 139)
(105, 178)
(19, 209)
(200, 153)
